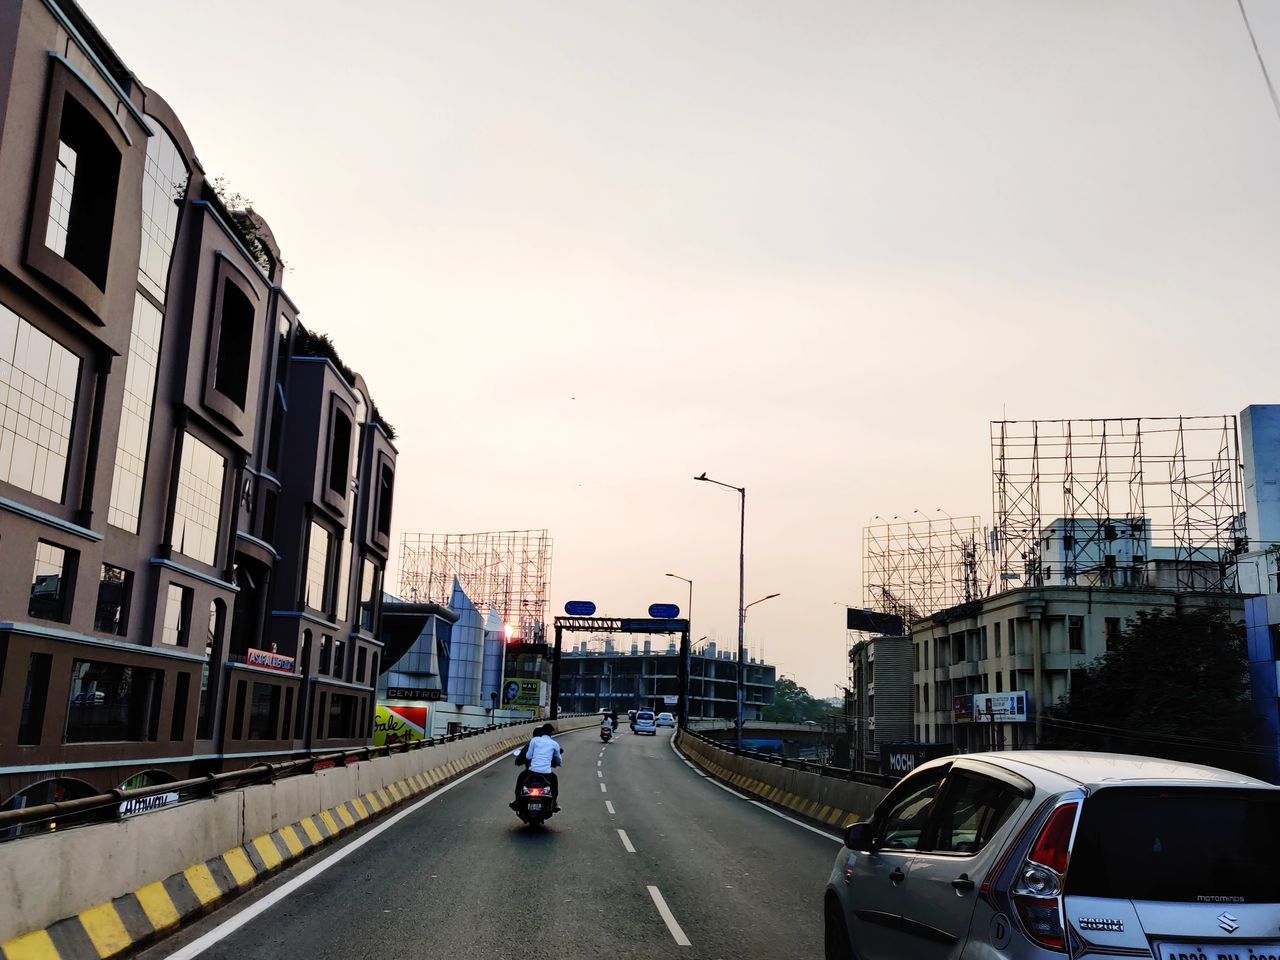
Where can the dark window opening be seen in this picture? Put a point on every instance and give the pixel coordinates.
(112, 702)
(340, 453)
(54, 571)
(34, 697)
(114, 588)
(270, 499)
(386, 484)
(208, 676)
(339, 648)
(342, 716)
(1075, 634)
(361, 664)
(326, 652)
(1111, 631)
(373, 670)
(321, 715)
(264, 714)
(82, 207)
(286, 715)
(237, 718)
(277, 434)
(235, 345)
(178, 723)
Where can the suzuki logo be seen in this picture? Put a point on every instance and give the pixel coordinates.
(1228, 923)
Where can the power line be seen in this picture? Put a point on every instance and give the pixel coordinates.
(1266, 74)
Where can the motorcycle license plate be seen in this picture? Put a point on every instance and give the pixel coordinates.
(535, 808)
(1214, 951)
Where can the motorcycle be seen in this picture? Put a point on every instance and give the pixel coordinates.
(537, 800)
(606, 734)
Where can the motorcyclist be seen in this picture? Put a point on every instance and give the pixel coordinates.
(611, 721)
(540, 755)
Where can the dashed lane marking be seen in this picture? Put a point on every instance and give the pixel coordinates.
(626, 841)
(603, 789)
(668, 918)
(608, 805)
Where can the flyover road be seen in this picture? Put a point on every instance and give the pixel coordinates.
(648, 858)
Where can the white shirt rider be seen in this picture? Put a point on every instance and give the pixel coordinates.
(542, 749)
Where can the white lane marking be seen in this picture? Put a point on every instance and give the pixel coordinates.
(602, 789)
(608, 805)
(599, 762)
(742, 796)
(599, 773)
(228, 927)
(669, 918)
(626, 841)
(779, 813)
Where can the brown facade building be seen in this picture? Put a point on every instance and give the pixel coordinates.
(195, 492)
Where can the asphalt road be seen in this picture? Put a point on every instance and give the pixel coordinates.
(460, 876)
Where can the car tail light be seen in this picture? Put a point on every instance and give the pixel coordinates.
(1037, 890)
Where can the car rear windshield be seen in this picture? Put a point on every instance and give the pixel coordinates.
(644, 715)
(1178, 845)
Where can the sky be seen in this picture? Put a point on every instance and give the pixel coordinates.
(583, 250)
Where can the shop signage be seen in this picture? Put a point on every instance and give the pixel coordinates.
(413, 693)
(580, 608)
(963, 708)
(520, 694)
(670, 701)
(269, 661)
(130, 808)
(899, 759)
(392, 724)
(1008, 707)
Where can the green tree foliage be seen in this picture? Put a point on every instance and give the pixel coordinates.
(1172, 685)
(792, 703)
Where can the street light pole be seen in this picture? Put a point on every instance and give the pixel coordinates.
(688, 613)
(742, 589)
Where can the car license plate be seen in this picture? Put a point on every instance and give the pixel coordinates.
(535, 808)
(1218, 951)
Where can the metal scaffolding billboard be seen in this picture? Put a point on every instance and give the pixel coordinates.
(1099, 500)
(912, 568)
(506, 570)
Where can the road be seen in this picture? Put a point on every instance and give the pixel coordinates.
(460, 876)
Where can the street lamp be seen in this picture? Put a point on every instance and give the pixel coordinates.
(688, 613)
(742, 587)
(753, 603)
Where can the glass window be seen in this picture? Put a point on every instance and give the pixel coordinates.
(204, 722)
(264, 712)
(135, 415)
(197, 515)
(972, 810)
(235, 345)
(317, 567)
(386, 484)
(326, 652)
(368, 593)
(361, 665)
(339, 649)
(82, 205)
(64, 183)
(114, 588)
(340, 453)
(178, 722)
(345, 549)
(38, 380)
(1178, 845)
(34, 697)
(53, 571)
(342, 716)
(903, 826)
(164, 184)
(1075, 634)
(109, 701)
(177, 616)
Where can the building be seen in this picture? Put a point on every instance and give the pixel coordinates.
(1260, 575)
(880, 705)
(595, 675)
(982, 671)
(195, 493)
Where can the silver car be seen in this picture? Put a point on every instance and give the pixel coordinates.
(1037, 855)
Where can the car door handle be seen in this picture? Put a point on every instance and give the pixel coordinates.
(897, 876)
(962, 883)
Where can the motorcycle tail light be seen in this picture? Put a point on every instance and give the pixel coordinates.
(533, 791)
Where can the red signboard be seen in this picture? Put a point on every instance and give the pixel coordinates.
(269, 661)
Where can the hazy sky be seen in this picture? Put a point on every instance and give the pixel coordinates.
(586, 249)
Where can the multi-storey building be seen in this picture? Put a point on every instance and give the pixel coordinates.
(642, 676)
(879, 704)
(195, 494)
(1026, 641)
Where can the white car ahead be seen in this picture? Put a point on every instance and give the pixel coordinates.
(666, 720)
(1042, 855)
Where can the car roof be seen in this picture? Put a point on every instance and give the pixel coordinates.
(1109, 769)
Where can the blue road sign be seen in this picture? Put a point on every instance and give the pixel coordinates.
(580, 608)
(664, 611)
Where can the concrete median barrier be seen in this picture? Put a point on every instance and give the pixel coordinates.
(101, 890)
(827, 801)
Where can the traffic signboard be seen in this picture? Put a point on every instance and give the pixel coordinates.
(580, 608)
(664, 611)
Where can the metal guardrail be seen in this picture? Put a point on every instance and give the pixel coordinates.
(808, 766)
(103, 807)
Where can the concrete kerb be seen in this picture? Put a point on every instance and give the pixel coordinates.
(179, 863)
(822, 800)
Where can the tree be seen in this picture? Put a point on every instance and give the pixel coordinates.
(1173, 685)
(792, 703)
